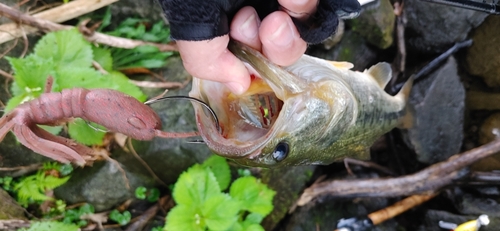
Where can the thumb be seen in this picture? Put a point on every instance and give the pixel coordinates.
(211, 60)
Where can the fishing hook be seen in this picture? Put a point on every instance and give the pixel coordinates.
(212, 112)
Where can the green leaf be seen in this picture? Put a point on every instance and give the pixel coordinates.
(194, 186)
(31, 72)
(83, 133)
(218, 165)
(66, 48)
(140, 192)
(33, 187)
(15, 101)
(50, 226)
(120, 218)
(184, 218)
(254, 196)
(103, 57)
(124, 85)
(153, 195)
(85, 77)
(220, 212)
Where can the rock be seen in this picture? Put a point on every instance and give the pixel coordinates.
(9, 209)
(432, 218)
(432, 28)
(288, 183)
(352, 48)
(437, 103)
(325, 214)
(474, 204)
(376, 24)
(107, 183)
(482, 56)
(478, 100)
(490, 129)
(14, 154)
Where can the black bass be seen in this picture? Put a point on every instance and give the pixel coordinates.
(312, 112)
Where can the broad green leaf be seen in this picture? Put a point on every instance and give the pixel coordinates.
(30, 73)
(218, 165)
(52, 129)
(124, 85)
(220, 212)
(194, 186)
(81, 131)
(85, 77)
(254, 218)
(50, 226)
(15, 101)
(254, 196)
(184, 218)
(66, 48)
(103, 57)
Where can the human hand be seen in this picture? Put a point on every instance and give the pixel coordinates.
(276, 36)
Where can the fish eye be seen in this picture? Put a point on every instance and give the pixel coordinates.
(281, 151)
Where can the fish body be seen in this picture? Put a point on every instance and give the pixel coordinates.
(326, 112)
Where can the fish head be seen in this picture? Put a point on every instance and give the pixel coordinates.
(282, 120)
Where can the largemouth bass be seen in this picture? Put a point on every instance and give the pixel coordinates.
(312, 112)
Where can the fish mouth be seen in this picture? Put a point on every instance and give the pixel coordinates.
(247, 122)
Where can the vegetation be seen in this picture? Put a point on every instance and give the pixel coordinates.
(202, 203)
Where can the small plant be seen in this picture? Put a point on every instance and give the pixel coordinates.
(72, 216)
(202, 204)
(6, 183)
(142, 56)
(31, 189)
(152, 195)
(120, 218)
(68, 58)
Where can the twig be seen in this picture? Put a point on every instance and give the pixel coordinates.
(134, 153)
(367, 164)
(58, 14)
(150, 84)
(430, 179)
(92, 36)
(21, 170)
(6, 75)
(144, 218)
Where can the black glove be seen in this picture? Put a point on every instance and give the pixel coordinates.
(196, 20)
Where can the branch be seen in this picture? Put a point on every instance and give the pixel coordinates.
(45, 25)
(432, 178)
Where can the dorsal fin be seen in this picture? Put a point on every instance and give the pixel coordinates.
(381, 72)
(341, 65)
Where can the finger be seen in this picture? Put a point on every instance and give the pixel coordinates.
(245, 27)
(281, 42)
(211, 60)
(300, 9)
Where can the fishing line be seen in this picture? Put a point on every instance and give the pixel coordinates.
(181, 97)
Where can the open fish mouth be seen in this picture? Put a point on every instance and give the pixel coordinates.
(247, 121)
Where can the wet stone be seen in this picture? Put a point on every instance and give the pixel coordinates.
(489, 130)
(325, 213)
(437, 104)
(288, 183)
(352, 48)
(376, 23)
(482, 56)
(9, 209)
(432, 28)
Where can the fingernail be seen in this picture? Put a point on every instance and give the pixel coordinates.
(283, 36)
(250, 27)
(235, 87)
(300, 2)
